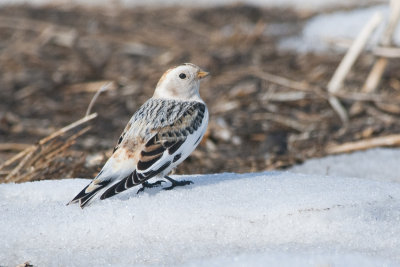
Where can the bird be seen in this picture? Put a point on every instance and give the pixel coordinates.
(161, 134)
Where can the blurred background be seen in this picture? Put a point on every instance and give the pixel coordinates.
(271, 63)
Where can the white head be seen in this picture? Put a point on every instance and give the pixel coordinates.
(182, 82)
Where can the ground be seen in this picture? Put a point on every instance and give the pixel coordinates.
(269, 110)
(54, 59)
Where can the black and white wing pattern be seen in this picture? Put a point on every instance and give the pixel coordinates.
(172, 130)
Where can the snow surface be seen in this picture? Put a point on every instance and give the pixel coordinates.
(378, 164)
(258, 219)
(337, 25)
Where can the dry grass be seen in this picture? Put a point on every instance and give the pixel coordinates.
(269, 109)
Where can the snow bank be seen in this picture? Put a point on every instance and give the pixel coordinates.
(337, 25)
(261, 219)
(378, 164)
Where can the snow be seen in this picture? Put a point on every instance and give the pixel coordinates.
(253, 219)
(378, 164)
(337, 25)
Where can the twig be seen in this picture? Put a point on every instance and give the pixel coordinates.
(301, 86)
(67, 128)
(285, 82)
(340, 110)
(379, 67)
(287, 96)
(375, 75)
(70, 141)
(381, 51)
(388, 107)
(29, 155)
(389, 140)
(283, 120)
(354, 51)
(345, 65)
(28, 152)
(377, 98)
(387, 52)
(102, 89)
(394, 16)
(58, 150)
(45, 156)
(81, 132)
(13, 146)
(16, 157)
(21, 164)
(88, 87)
(386, 118)
(306, 87)
(40, 151)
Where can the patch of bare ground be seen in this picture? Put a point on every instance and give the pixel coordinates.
(269, 109)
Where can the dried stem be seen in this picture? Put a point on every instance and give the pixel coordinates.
(389, 140)
(15, 171)
(16, 157)
(67, 128)
(379, 67)
(102, 89)
(345, 65)
(13, 146)
(28, 153)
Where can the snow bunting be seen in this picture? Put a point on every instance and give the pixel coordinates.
(158, 137)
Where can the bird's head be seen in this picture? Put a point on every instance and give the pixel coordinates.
(181, 82)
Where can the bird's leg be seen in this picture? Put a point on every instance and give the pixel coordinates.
(149, 185)
(176, 183)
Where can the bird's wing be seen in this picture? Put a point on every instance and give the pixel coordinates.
(167, 145)
(146, 147)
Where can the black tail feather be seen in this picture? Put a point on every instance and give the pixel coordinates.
(84, 197)
(132, 180)
(85, 200)
(79, 196)
(121, 186)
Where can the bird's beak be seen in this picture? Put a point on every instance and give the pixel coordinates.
(201, 74)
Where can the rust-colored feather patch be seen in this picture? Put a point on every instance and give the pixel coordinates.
(164, 76)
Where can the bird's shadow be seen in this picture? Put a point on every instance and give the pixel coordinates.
(198, 181)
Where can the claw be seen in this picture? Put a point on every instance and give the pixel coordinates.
(140, 190)
(149, 185)
(176, 183)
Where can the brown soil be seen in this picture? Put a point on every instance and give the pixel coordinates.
(52, 61)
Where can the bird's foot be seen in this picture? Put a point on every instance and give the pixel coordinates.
(176, 183)
(149, 185)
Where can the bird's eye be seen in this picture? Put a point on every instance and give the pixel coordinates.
(182, 75)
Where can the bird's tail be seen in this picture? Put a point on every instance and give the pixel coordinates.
(86, 195)
(135, 178)
(124, 184)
